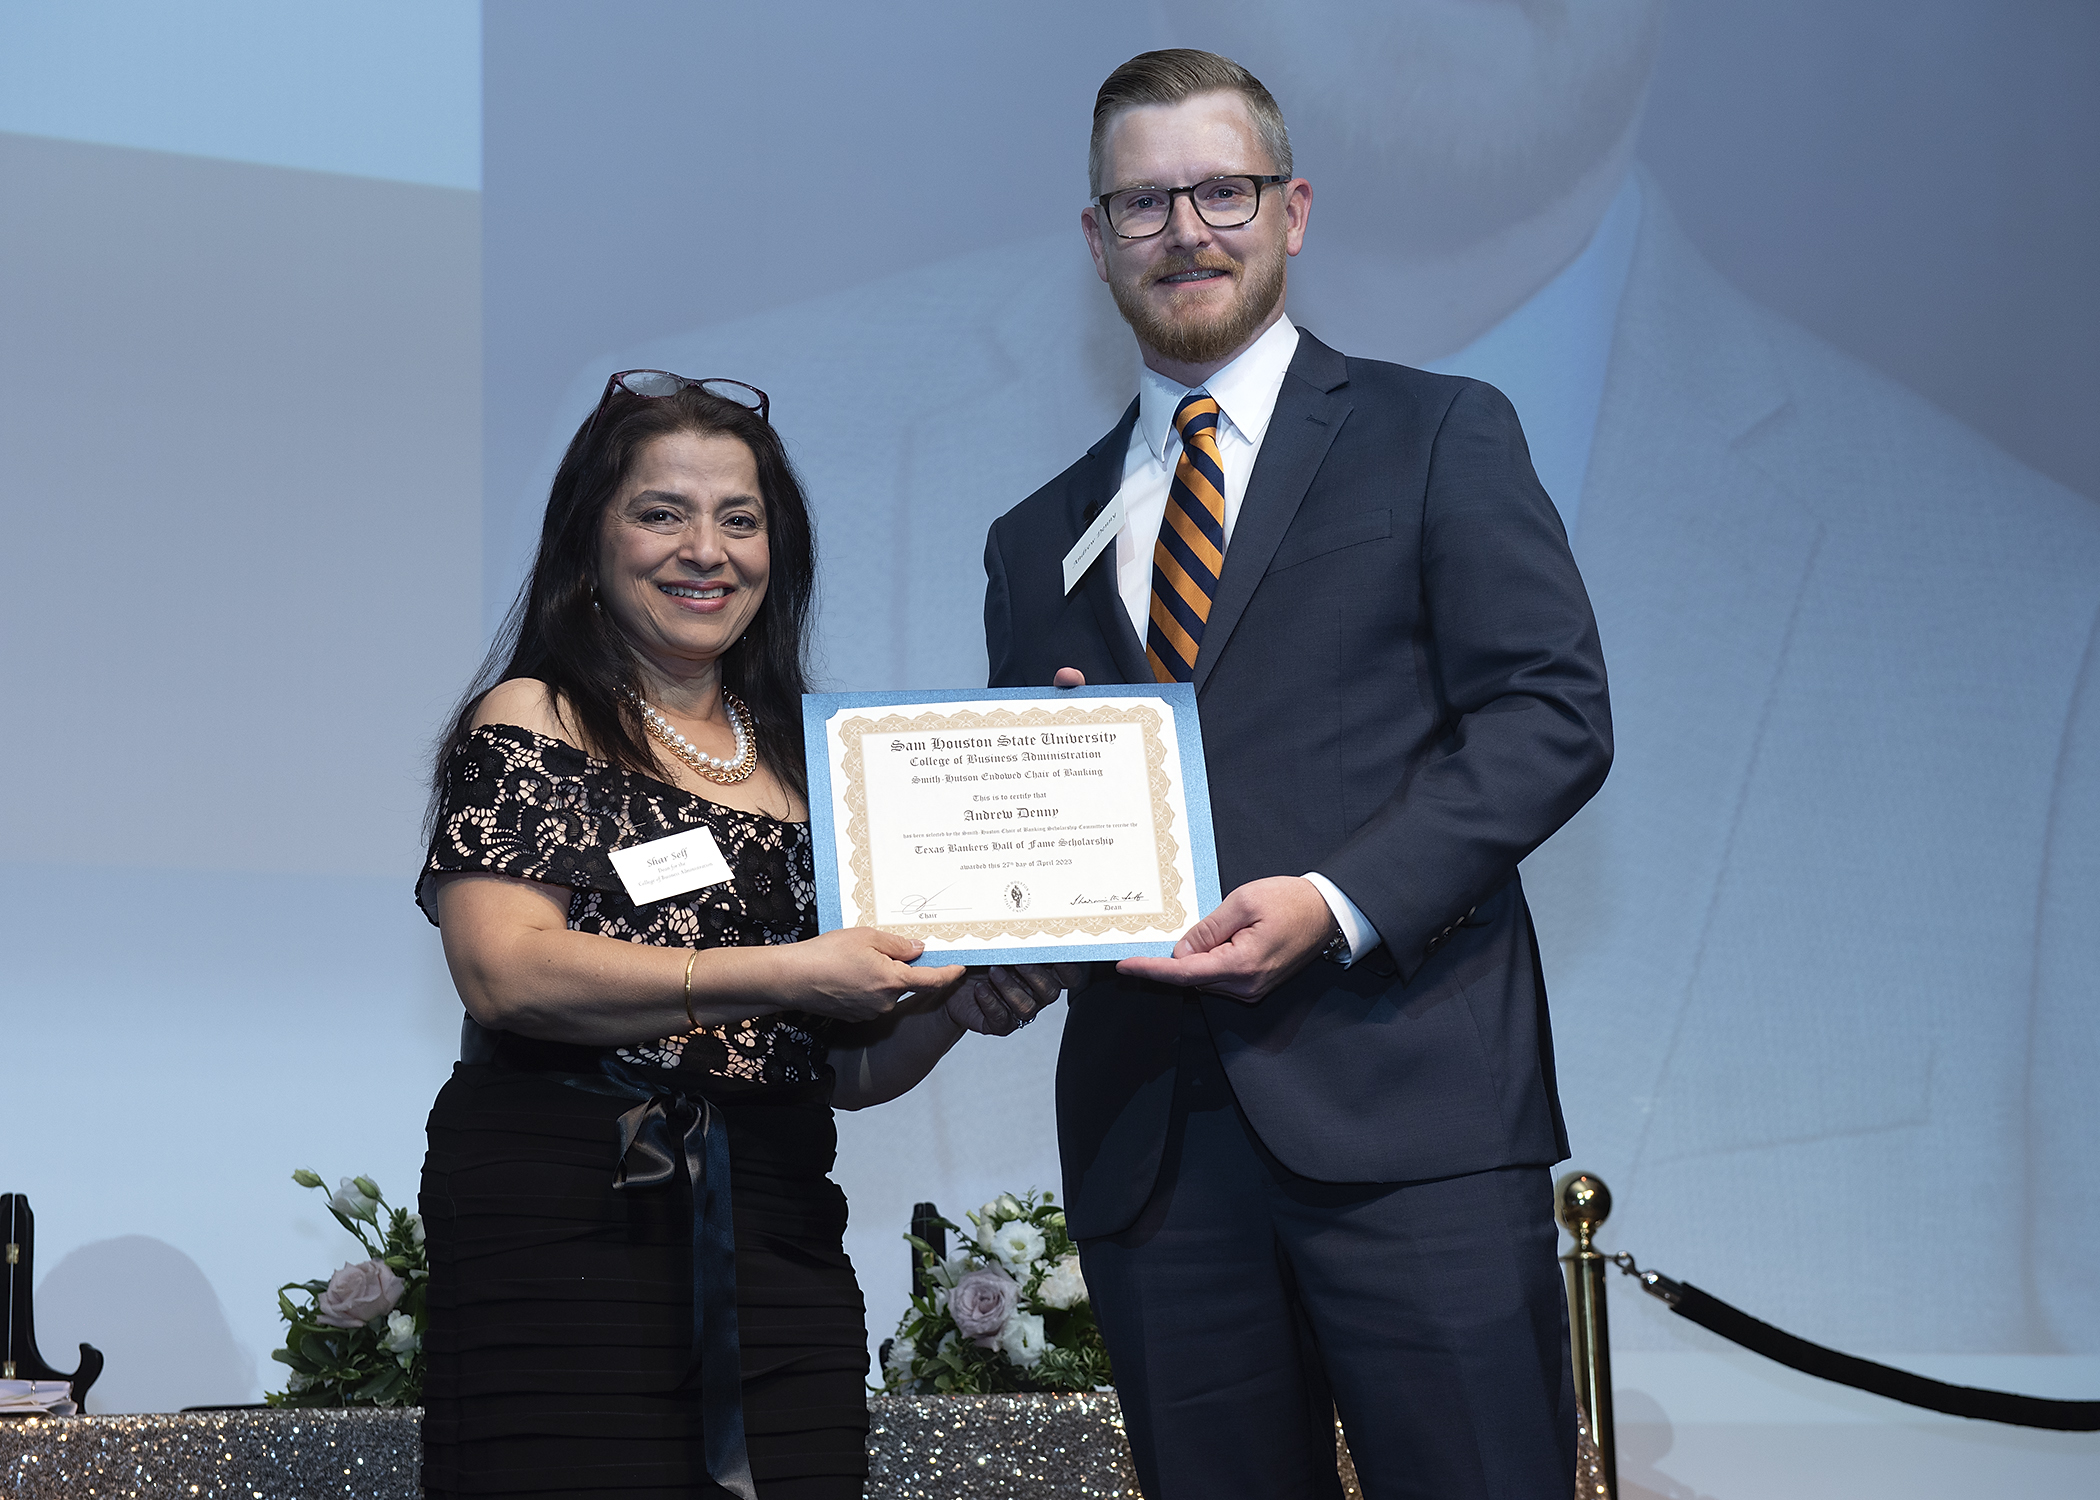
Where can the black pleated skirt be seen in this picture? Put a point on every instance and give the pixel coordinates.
(561, 1311)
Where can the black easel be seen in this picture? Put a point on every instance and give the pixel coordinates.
(926, 1224)
(22, 1362)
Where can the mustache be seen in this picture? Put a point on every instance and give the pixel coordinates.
(1202, 260)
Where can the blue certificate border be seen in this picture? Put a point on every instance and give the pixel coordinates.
(817, 708)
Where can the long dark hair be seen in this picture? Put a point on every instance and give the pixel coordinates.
(554, 633)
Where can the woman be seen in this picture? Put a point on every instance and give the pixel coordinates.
(637, 1060)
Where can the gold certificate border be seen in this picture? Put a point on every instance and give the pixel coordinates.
(1171, 918)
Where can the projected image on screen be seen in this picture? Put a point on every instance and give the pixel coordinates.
(1815, 947)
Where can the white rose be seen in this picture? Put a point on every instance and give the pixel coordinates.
(359, 1293)
(1063, 1286)
(353, 1202)
(899, 1362)
(415, 1228)
(400, 1336)
(1017, 1243)
(298, 1382)
(1021, 1340)
(991, 1215)
(951, 1270)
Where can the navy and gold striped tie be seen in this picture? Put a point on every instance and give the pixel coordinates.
(1190, 552)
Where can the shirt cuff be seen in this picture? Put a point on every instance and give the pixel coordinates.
(1357, 930)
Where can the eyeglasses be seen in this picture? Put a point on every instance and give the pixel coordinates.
(1138, 213)
(654, 385)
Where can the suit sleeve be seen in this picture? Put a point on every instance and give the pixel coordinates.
(1520, 681)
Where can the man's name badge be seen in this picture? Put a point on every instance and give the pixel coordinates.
(670, 867)
(1089, 546)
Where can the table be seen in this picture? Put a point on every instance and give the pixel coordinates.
(919, 1448)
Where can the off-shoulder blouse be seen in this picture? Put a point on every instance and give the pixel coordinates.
(518, 803)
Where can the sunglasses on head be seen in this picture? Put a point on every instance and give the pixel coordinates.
(654, 385)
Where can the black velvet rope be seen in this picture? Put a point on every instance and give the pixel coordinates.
(1738, 1327)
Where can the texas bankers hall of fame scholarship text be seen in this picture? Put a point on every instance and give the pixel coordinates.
(1012, 825)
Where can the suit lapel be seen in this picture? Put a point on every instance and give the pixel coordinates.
(1092, 489)
(1309, 412)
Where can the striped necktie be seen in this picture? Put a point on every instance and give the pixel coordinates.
(1190, 551)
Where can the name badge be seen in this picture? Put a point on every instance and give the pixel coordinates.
(670, 867)
(1089, 546)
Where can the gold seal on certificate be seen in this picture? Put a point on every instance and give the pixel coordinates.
(1012, 825)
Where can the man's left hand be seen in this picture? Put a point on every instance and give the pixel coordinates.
(1002, 999)
(1260, 935)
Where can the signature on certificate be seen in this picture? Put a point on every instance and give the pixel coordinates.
(1115, 900)
(924, 906)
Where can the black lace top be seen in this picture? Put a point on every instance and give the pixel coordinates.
(518, 803)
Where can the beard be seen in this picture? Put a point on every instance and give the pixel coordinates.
(1196, 339)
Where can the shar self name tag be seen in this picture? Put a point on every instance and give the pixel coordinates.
(670, 867)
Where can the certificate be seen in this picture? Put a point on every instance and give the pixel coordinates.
(1012, 825)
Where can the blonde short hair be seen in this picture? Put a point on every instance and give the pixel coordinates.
(1171, 76)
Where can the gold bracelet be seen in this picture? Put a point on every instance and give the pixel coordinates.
(689, 990)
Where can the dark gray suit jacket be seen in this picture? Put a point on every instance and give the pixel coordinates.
(1400, 687)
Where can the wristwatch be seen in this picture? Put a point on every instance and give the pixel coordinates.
(1337, 949)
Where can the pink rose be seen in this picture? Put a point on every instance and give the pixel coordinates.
(358, 1294)
(981, 1303)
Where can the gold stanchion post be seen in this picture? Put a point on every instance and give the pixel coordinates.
(1582, 1202)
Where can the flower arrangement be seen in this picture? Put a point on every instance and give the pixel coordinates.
(358, 1338)
(1007, 1312)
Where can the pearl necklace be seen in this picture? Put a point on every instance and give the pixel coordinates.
(713, 768)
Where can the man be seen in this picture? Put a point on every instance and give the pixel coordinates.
(1306, 1156)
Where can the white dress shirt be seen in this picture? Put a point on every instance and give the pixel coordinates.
(1245, 391)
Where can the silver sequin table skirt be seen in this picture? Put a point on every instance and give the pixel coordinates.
(919, 1448)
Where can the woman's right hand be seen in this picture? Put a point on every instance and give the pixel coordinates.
(859, 973)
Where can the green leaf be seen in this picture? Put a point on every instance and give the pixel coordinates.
(373, 1388)
(318, 1348)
